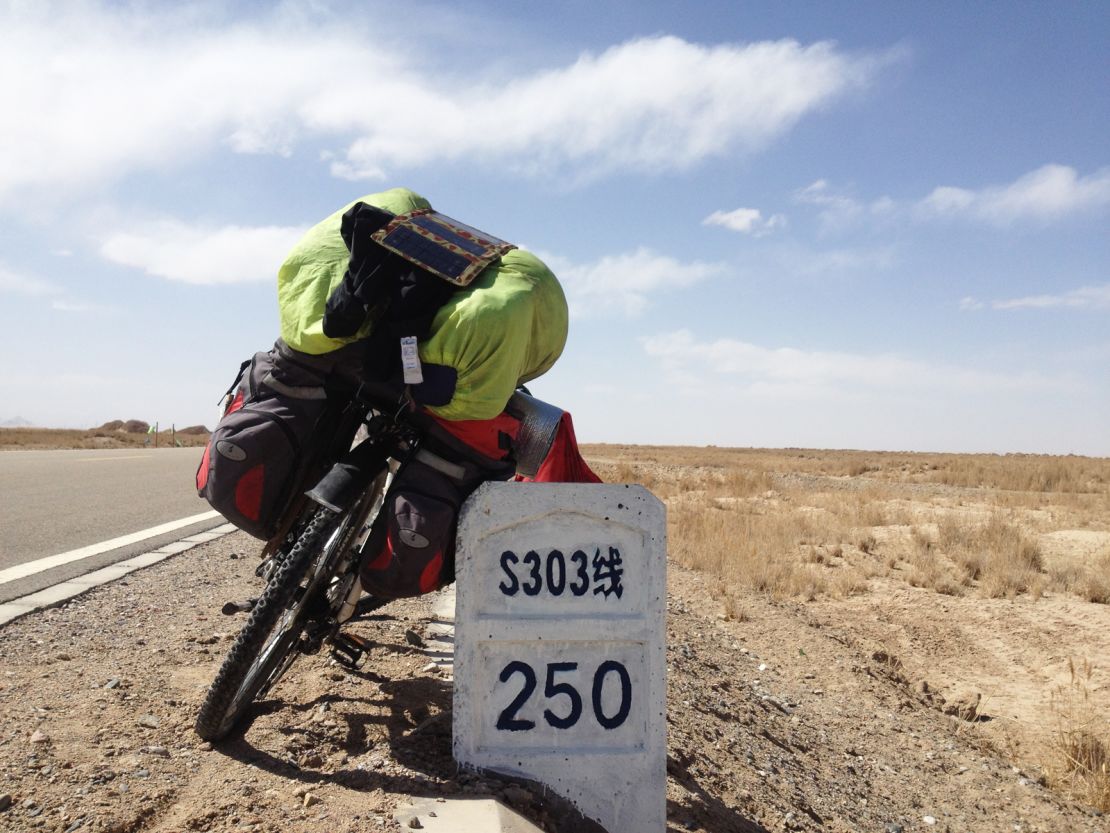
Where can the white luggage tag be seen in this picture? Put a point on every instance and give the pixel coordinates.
(410, 361)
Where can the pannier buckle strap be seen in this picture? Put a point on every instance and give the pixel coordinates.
(452, 470)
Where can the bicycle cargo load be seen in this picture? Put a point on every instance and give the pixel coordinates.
(262, 446)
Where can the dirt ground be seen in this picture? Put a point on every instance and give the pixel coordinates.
(819, 716)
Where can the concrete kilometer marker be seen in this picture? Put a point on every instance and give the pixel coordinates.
(560, 659)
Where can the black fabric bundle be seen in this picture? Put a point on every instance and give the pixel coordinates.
(407, 296)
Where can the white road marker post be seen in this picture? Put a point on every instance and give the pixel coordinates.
(560, 658)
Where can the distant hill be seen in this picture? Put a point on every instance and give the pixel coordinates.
(16, 422)
(131, 426)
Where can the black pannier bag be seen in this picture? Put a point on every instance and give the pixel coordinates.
(262, 447)
(411, 547)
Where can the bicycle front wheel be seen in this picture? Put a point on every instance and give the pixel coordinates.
(267, 645)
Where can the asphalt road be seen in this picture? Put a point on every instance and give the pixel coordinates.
(56, 501)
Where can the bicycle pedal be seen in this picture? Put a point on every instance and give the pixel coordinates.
(348, 650)
(245, 606)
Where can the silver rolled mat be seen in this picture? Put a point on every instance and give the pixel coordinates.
(539, 422)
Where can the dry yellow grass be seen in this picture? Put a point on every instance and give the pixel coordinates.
(810, 524)
(1082, 741)
(806, 523)
(49, 438)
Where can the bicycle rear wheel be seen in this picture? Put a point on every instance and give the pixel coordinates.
(266, 646)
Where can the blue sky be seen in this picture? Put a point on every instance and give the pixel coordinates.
(839, 225)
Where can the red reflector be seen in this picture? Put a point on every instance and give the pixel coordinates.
(385, 557)
(202, 472)
(429, 579)
(236, 404)
(248, 493)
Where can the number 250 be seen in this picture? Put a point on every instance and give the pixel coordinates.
(509, 722)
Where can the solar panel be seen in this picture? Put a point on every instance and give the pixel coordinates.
(445, 247)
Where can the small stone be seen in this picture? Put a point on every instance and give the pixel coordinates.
(149, 721)
(762, 666)
(414, 824)
(310, 800)
(413, 638)
(28, 804)
(39, 736)
(892, 827)
(74, 826)
(142, 773)
(159, 751)
(112, 683)
(5, 801)
(929, 820)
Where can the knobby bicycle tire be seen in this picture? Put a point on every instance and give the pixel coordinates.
(240, 678)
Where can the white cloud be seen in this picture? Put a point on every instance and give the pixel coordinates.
(622, 283)
(745, 221)
(119, 89)
(1050, 192)
(72, 305)
(782, 371)
(1086, 297)
(19, 284)
(16, 283)
(203, 254)
(839, 261)
(839, 211)
(968, 304)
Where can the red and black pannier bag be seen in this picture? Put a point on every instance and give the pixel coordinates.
(262, 446)
(411, 547)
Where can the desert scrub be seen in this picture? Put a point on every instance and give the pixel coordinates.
(957, 524)
(1082, 741)
(998, 556)
(762, 552)
(1091, 582)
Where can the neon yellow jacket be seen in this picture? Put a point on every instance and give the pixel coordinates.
(505, 328)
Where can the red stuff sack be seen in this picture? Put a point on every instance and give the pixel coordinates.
(261, 448)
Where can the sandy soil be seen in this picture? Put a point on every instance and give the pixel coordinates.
(804, 717)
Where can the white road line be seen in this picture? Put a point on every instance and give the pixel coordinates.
(32, 567)
(103, 459)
